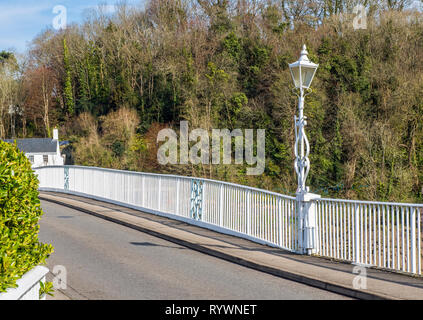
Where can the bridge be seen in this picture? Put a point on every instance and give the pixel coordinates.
(107, 260)
(378, 234)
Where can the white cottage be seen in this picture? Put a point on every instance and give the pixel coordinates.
(41, 151)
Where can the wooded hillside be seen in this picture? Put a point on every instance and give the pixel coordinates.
(113, 82)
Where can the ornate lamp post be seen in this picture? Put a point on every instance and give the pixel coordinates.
(302, 72)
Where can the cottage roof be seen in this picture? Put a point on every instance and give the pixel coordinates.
(35, 145)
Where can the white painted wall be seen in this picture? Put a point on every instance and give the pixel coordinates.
(53, 159)
(28, 286)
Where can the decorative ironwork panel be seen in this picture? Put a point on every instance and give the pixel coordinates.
(196, 199)
(302, 162)
(66, 176)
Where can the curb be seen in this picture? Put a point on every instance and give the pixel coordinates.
(314, 282)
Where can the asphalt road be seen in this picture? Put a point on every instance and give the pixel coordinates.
(104, 260)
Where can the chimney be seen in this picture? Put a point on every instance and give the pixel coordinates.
(55, 134)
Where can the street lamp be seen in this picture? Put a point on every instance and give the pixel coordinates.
(302, 72)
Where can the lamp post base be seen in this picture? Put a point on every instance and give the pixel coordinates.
(307, 226)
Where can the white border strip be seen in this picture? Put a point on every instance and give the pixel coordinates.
(28, 285)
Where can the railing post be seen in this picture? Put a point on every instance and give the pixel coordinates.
(103, 191)
(357, 233)
(307, 226)
(203, 210)
(248, 212)
(160, 193)
(143, 191)
(413, 259)
(177, 195)
(280, 224)
(221, 207)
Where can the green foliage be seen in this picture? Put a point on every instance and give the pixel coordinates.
(215, 74)
(67, 88)
(118, 148)
(223, 64)
(7, 57)
(232, 45)
(20, 212)
(46, 288)
(221, 22)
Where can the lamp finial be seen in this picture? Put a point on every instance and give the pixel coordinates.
(304, 53)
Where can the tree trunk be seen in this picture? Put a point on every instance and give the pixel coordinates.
(46, 107)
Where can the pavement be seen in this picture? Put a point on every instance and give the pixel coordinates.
(102, 260)
(317, 272)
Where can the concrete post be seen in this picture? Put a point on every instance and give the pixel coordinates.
(307, 227)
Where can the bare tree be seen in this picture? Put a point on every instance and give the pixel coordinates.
(8, 87)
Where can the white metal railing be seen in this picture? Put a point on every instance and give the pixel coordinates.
(258, 215)
(381, 234)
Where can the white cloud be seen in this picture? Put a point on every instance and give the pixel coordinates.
(15, 13)
(109, 8)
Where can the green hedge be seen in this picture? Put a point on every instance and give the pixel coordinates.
(20, 212)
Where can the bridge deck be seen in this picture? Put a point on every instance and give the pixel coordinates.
(319, 272)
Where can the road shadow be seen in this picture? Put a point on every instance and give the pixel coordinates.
(150, 244)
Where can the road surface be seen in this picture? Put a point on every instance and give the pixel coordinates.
(105, 260)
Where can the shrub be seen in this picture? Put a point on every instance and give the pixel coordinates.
(20, 211)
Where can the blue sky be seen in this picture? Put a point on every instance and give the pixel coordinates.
(22, 20)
